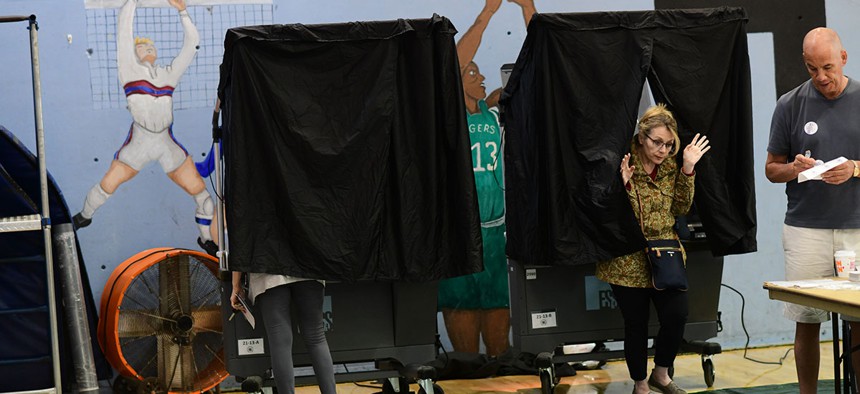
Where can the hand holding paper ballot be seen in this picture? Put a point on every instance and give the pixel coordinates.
(816, 172)
(238, 302)
(243, 307)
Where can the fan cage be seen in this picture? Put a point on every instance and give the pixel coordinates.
(161, 320)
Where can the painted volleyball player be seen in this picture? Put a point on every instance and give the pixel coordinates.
(149, 92)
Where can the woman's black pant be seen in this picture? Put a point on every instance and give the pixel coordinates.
(671, 307)
(275, 303)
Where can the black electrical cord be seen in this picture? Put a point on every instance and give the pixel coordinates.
(496, 161)
(743, 325)
(371, 386)
(212, 176)
(445, 352)
(346, 368)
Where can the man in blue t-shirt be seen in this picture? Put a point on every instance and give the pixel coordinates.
(818, 120)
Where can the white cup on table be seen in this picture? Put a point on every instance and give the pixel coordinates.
(844, 260)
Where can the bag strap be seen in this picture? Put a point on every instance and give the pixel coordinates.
(639, 202)
(641, 217)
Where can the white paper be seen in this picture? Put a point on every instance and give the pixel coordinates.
(825, 283)
(814, 173)
(247, 312)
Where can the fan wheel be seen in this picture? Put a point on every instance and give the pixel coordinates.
(160, 321)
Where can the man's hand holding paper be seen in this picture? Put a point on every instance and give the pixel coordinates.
(833, 172)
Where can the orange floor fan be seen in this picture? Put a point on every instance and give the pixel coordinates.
(160, 322)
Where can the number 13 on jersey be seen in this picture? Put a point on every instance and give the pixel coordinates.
(485, 156)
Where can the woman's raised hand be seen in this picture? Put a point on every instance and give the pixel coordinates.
(626, 169)
(693, 152)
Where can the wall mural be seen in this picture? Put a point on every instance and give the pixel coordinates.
(156, 20)
(149, 93)
(476, 306)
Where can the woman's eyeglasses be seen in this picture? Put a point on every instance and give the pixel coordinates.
(657, 144)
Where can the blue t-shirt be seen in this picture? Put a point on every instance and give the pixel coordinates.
(804, 120)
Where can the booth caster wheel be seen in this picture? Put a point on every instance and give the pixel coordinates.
(546, 372)
(434, 389)
(398, 385)
(547, 384)
(252, 384)
(424, 377)
(708, 369)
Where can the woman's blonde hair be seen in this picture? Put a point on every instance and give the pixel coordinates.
(656, 116)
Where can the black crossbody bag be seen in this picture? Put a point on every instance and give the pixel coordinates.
(666, 259)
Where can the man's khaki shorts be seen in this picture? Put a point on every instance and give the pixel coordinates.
(809, 255)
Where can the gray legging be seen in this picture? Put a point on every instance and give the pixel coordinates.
(274, 303)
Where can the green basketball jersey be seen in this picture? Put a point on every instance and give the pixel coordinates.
(486, 139)
(487, 289)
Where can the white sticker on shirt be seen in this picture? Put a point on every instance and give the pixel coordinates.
(810, 128)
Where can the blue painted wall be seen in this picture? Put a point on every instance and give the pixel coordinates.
(150, 211)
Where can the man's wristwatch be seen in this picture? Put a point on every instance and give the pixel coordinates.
(856, 169)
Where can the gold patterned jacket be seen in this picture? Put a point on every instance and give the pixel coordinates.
(669, 195)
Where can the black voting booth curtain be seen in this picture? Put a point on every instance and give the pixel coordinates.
(347, 152)
(570, 112)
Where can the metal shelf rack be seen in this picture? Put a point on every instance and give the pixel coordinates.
(40, 221)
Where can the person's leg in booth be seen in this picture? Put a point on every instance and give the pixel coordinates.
(463, 326)
(495, 327)
(458, 300)
(495, 296)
